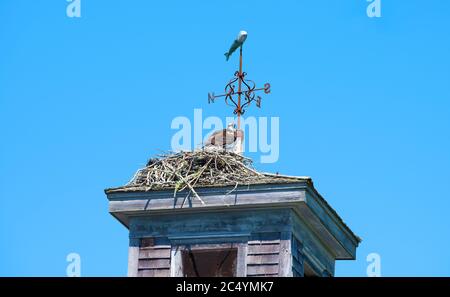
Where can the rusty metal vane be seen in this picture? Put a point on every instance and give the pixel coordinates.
(242, 97)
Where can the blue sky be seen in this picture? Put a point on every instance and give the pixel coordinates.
(364, 108)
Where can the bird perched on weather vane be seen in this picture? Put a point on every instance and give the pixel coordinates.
(239, 99)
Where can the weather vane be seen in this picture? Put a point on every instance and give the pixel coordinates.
(245, 94)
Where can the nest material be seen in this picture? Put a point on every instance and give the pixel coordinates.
(187, 170)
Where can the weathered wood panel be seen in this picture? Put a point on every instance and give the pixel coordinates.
(147, 242)
(211, 246)
(133, 257)
(154, 253)
(297, 268)
(263, 259)
(262, 269)
(285, 267)
(153, 257)
(154, 273)
(312, 246)
(297, 258)
(265, 275)
(255, 249)
(154, 263)
(144, 202)
(333, 224)
(241, 265)
(259, 241)
(158, 247)
(211, 222)
(176, 263)
(263, 254)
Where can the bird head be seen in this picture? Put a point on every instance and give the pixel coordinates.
(231, 127)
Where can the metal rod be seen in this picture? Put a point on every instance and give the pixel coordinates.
(239, 110)
(239, 90)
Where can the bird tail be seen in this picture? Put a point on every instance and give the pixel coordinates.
(227, 56)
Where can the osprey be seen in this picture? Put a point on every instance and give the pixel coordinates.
(242, 36)
(225, 137)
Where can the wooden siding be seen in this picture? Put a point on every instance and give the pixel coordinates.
(297, 258)
(263, 256)
(313, 248)
(267, 241)
(154, 259)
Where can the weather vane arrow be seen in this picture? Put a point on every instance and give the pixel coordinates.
(246, 89)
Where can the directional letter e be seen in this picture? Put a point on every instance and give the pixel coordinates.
(74, 9)
(374, 8)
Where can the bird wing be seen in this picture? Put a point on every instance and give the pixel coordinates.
(222, 137)
(216, 138)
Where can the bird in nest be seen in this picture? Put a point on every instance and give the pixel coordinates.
(224, 138)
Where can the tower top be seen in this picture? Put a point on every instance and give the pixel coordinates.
(186, 220)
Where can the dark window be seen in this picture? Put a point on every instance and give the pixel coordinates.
(217, 262)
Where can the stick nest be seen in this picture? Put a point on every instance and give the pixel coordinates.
(187, 170)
